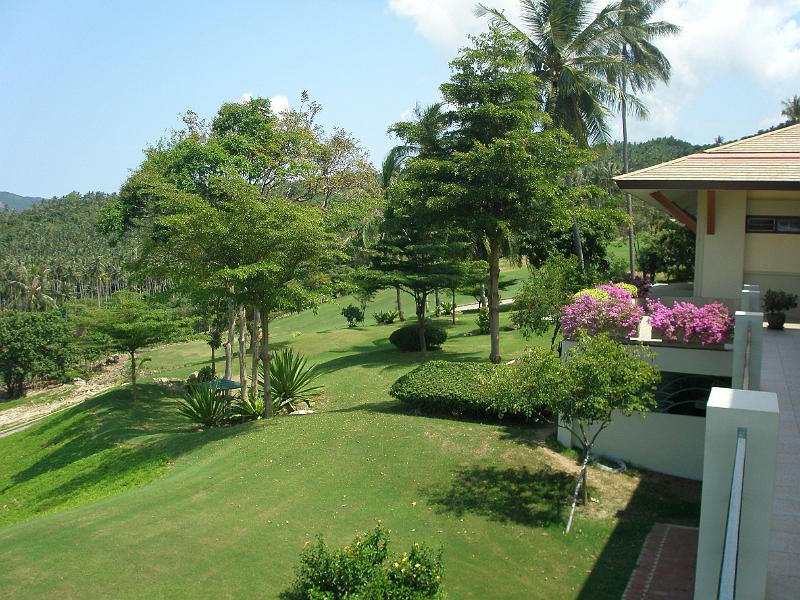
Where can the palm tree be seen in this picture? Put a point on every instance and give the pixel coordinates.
(643, 65)
(566, 47)
(791, 109)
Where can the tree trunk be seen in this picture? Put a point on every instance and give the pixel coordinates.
(265, 361)
(576, 240)
(229, 343)
(255, 353)
(423, 345)
(400, 314)
(625, 167)
(436, 298)
(482, 300)
(453, 314)
(243, 352)
(133, 375)
(494, 298)
(213, 363)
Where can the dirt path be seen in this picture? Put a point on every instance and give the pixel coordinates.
(61, 397)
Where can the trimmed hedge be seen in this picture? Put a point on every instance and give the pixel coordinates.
(407, 338)
(520, 390)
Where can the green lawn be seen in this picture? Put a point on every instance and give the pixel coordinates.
(159, 509)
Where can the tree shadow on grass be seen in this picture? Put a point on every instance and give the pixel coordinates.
(657, 499)
(130, 436)
(533, 498)
(383, 356)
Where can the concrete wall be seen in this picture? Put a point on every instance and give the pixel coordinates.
(671, 444)
(719, 264)
(727, 411)
(772, 260)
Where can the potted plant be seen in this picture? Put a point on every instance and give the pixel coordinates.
(776, 303)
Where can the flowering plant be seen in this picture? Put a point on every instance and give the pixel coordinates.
(642, 284)
(708, 324)
(606, 308)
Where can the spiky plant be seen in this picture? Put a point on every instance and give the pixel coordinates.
(205, 406)
(292, 379)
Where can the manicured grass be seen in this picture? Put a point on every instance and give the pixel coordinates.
(226, 512)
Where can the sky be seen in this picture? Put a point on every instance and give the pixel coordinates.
(86, 86)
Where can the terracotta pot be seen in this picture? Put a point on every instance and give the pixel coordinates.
(775, 320)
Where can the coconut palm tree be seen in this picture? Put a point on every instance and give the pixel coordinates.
(643, 65)
(791, 109)
(566, 46)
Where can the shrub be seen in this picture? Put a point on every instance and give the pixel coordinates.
(643, 284)
(291, 379)
(483, 320)
(363, 569)
(447, 307)
(685, 322)
(33, 346)
(407, 338)
(778, 301)
(249, 408)
(353, 314)
(205, 374)
(606, 308)
(205, 406)
(385, 317)
(517, 390)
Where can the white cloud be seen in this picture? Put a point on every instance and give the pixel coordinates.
(446, 23)
(756, 42)
(245, 97)
(278, 104)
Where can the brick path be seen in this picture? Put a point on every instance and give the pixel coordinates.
(666, 565)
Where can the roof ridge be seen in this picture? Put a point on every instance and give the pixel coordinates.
(723, 147)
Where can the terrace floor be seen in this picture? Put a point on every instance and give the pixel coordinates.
(781, 374)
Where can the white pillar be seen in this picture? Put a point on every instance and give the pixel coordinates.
(727, 411)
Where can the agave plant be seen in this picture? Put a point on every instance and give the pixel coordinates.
(205, 406)
(291, 378)
(249, 408)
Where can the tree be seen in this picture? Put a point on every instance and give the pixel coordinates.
(643, 65)
(132, 323)
(500, 172)
(670, 249)
(538, 305)
(791, 109)
(566, 48)
(32, 346)
(601, 377)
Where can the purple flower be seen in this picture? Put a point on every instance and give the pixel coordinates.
(708, 324)
(616, 314)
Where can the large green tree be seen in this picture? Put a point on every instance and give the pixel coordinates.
(498, 172)
(791, 109)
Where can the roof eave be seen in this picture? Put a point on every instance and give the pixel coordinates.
(704, 184)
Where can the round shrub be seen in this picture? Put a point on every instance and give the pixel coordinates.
(407, 338)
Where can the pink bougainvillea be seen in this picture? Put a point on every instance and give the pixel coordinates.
(686, 322)
(613, 312)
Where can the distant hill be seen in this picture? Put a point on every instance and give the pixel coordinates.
(15, 202)
(653, 152)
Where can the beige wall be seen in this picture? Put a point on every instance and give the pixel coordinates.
(719, 265)
(772, 260)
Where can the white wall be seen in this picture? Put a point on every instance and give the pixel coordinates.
(671, 444)
(727, 411)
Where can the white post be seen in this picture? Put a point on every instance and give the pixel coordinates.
(727, 411)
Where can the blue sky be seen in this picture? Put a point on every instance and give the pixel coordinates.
(85, 86)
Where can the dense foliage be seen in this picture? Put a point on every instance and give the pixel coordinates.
(407, 338)
(669, 249)
(53, 252)
(33, 346)
(364, 570)
(353, 314)
(518, 390)
(205, 406)
(779, 301)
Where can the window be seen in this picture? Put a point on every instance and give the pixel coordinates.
(765, 224)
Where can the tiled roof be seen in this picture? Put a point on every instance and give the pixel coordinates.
(767, 161)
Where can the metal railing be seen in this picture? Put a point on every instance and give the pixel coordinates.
(748, 342)
(730, 549)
